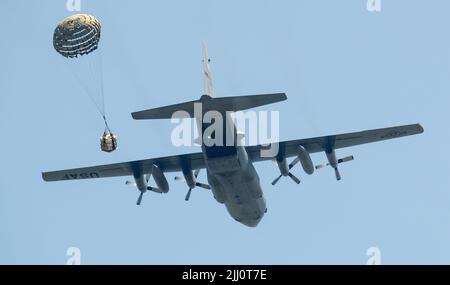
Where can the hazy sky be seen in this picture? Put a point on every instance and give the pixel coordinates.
(343, 69)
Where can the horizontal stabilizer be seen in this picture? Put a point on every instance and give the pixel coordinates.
(221, 104)
(165, 112)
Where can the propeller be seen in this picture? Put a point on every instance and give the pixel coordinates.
(336, 170)
(150, 188)
(196, 184)
(292, 176)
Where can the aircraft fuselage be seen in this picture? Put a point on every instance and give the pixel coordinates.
(235, 183)
(234, 180)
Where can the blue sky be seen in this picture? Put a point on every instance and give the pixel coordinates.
(343, 69)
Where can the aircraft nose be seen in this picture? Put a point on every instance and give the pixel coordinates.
(251, 222)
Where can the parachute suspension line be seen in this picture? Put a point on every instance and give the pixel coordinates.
(102, 91)
(85, 87)
(107, 129)
(100, 105)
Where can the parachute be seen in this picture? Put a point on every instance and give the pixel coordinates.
(77, 35)
(77, 38)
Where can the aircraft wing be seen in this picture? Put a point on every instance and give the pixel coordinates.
(317, 144)
(196, 160)
(166, 164)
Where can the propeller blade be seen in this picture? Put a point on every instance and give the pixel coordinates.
(345, 159)
(294, 178)
(188, 195)
(202, 185)
(276, 180)
(130, 183)
(338, 175)
(180, 179)
(196, 172)
(322, 165)
(294, 162)
(140, 198)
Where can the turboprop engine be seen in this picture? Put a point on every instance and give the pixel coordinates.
(333, 162)
(285, 170)
(303, 157)
(141, 182)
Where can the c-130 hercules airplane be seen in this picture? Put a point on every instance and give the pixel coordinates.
(231, 175)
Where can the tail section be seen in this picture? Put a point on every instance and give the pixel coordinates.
(207, 72)
(206, 103)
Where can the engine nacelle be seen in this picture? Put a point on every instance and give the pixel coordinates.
(305, 160)
(282, 165)
(141, 182)
(160, 179)
(189, 178)
(331, 156)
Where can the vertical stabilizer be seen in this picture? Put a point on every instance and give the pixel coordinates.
(207, 71)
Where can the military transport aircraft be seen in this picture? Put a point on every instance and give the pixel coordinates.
(231, 175)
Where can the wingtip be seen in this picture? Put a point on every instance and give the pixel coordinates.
(420, 128)
(44, 176)
(135, 115)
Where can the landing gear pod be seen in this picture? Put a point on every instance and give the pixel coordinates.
(108, 142)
